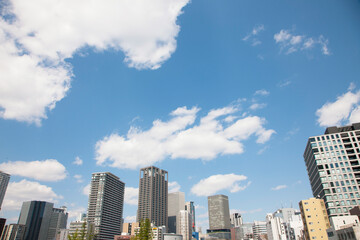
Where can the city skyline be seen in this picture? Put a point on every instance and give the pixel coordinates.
(223, 95)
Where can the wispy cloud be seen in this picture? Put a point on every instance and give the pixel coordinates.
(252, 36)
(262, 92)
(78, 178)
(290, 43)
(174, 187)
(78, 161)
(279, 187)
(345, 110)
(179, 137)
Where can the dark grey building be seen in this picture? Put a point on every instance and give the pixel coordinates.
(36, 215)
(219, 213)
(4, 181)
(105, 206)
(332, 163)
(58, 221)
(153, 196)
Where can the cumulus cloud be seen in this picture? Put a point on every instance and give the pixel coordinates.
(19, 192)
(174, 187)
(78, 178)
(179, 137)
(344, 110)
(279, 187)
(74, 213)
(46, 170)
(220, 182)
(252, 36)
(78, 161)
(131, 195)
(290, 43)
(37, 37)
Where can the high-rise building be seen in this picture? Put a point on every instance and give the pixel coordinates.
(315, 218)
(219, 213)
(332, 162)
(105, 206)
(13, 232)
(36, 215)
(58, 221)
(153, 196)
(176, 203)
(236, 220)
(183, 225)
(4, 181)
(259, 229)
(190, 207)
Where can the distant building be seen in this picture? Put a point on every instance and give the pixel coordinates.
(79, 226)
(4, 181)
(219, 213)
(236, 220)
(172, 236)
(176, 203)
(183, 225)
(333, 166)
(190, 207)
(2, 225)
(259, 229)
(62, 234)
(105, 207)
(58, 221)
(14, 232)
(315, 218)
(284, 224)
(36, 216)
(157, 232)
(153, 196)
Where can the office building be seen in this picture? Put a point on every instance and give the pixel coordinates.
(14, 232)
(105, 206)
(183, 225)
(236, 220)
(315, 218)
(219, 213)
(153, 196)
(259, 229)
(81, 227)
(176, 203)
(36, 215)
(190, 207)
(332, 162)
(58, 221)
(4, 181)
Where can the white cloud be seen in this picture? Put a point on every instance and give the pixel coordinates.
(78, 161)
(42, 34)
(290, 43)
(252, 35)
(173, 187)
(344, 110)
(279, 187)
(46, 170)
(74, 213)
(215, 183)
(86, 190)
(130, 219)
(262, 92)
(131, 195)
(78, 178)
(256, 106)
(19, 192)
(179, 137)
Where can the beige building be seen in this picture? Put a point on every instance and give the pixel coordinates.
(129, 228)
(315, 218)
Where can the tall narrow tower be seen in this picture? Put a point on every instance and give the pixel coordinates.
(153, 196)
(106, 202)
(4, 181)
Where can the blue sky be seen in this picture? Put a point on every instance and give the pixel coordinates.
(221, 94)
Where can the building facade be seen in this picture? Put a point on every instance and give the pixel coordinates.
(153, 196)
(219, 213)
(58, 221)
(105, 206)
(176, 203)
(13, 232)
(183, 225)
(315, 218)
(36, 215)
(190, 207)
(333, 166)
(4, 181)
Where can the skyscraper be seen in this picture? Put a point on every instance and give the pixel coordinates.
(176, 203)
(4, 181)
(36, 215)
(105, 207)
(153, 196)
(332, 162)
(58, 221)
(190, 207)
(219, 213)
